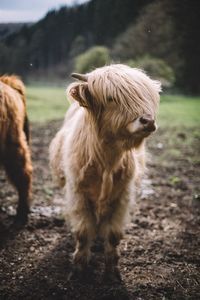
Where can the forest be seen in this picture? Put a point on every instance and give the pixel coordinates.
(159, 34)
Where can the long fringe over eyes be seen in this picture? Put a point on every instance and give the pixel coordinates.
(129, 88)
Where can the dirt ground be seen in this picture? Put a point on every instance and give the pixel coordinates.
(160, 252)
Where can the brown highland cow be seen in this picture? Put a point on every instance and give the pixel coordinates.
(14, 140)
(99, 154)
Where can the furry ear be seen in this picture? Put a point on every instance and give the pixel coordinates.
(80, 92)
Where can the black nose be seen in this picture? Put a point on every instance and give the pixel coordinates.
(148, 122)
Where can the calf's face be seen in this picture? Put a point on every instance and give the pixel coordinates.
(123, 125)
(122, 101)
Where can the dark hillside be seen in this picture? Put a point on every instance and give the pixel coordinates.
(165, 29)
(7, 29)
(49, 42)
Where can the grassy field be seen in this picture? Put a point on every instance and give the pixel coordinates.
(46, 103)
(50, 103)
(179, 110)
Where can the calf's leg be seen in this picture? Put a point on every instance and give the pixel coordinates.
(111, 231)
(81, 256)
(111, 242)
(83, 226)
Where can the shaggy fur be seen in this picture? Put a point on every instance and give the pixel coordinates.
(14, 136)
(99, 153)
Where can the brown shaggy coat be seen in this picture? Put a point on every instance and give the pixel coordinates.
(99, 154)
(14, 139)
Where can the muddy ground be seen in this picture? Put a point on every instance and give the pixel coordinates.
(160, 252)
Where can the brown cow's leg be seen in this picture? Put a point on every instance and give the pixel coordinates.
(19, 171)
(27, 129)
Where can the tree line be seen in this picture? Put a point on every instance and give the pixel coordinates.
(130, 29)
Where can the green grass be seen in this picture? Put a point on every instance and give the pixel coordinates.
(50, 103)
(46, 103)
(179, 111)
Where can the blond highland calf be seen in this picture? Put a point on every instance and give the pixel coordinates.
(14, 139)
(99, 154)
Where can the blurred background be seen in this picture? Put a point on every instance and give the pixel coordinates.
(44, 41)
(160, 36)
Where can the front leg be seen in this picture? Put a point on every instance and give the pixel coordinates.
(83, 226)
(82, 253)
(103, 201)
(81, 256)
(112, 255)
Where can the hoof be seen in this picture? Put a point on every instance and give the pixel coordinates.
(74, 274)
(21, 218)
(80, 274)
(112, 275)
